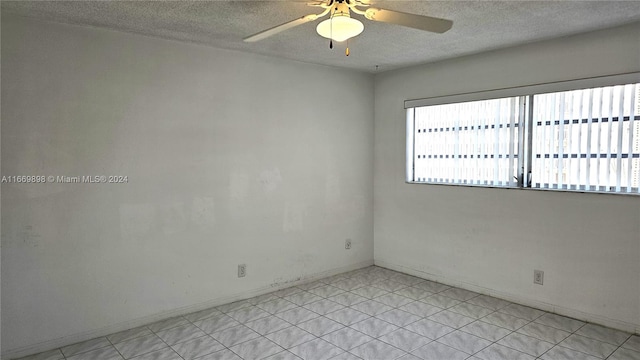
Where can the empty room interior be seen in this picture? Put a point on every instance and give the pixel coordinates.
(339, 179)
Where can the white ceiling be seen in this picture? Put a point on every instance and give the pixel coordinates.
(477, 26)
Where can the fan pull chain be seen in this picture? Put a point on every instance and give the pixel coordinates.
(331, 32)
(347, 51)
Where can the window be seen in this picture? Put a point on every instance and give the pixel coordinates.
(587, 139)
(583, 140)
(467, 143)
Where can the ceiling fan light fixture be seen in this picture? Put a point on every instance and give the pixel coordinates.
(340, 27)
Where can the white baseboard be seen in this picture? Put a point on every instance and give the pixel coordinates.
(560, 310)
(104, 331)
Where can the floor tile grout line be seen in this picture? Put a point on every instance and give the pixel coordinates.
(161, 339)
(619, 347)
(555, 345)
(581, 352)
(575, 332)
(475, 320)
(291, 325)
(497, 341)
(114, 346)
(589, 337)
(254, 339)
(350, 326)
(200, 337)
(393, 308)
(82, 352)
(458, 329)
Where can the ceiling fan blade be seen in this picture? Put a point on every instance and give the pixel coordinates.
(421, 22)
(280, 28)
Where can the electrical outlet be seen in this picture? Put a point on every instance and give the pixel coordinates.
(347, 244)
(538, 277)
(242, 270)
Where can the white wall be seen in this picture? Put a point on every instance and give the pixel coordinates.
(490, 240)
(231, 158)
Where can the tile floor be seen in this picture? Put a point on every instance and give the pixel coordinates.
(370, 314)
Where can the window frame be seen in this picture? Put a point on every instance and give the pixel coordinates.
(525, 138)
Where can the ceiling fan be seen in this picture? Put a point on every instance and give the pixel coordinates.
(340, 26)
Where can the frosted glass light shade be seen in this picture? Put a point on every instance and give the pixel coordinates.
(343, 28)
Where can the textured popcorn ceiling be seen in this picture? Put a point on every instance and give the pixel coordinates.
(477, 26)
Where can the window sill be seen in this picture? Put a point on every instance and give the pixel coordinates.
(507, 187)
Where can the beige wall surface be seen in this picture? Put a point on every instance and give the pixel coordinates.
(231, 159)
